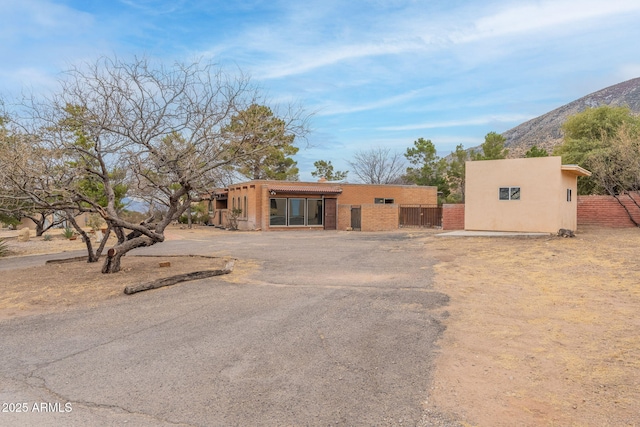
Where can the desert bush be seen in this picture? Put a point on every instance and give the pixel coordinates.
(47, 237)
(96, 222)
(68, 233)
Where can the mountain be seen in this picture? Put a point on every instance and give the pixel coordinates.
(545, 131)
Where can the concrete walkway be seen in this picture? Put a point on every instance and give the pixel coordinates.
(465, 233)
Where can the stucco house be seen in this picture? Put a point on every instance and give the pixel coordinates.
(527, 195)
(281, 205)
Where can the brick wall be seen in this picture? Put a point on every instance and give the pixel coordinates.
(379, 217)
(373, 217)
(606, 211)
(453, 216)
(602, 211)
(344, 217)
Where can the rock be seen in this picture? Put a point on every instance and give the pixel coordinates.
(23, 235)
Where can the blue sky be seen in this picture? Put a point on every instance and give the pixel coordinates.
(379, 73)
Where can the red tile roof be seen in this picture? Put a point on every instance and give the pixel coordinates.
(307, 189)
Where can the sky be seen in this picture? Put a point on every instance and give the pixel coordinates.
(378, 73)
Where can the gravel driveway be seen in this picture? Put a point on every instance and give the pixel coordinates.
(316, 328)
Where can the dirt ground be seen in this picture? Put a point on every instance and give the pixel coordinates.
(57, 286)
(540, 332)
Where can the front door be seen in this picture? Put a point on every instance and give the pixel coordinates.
(330, 208)
(356, 218)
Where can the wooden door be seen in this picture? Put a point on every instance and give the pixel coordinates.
(330, 209)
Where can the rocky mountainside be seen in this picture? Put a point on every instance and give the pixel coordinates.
(545, 131)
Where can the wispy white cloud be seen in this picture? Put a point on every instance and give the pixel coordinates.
(474, 121)
(541, 15)
(416, 30)
(155, 7)
(330, 109)
(313, 60)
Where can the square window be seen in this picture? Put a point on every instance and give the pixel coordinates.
(514, 193)
(509, 193)
(504, 193)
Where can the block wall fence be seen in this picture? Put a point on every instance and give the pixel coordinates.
(603, 211)
(453, 217)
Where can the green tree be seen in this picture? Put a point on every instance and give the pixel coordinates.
(589, 134)
(536, 152)
(325, 170)
(428, 168)
(492, 148)
(456, 174)
(264, 143)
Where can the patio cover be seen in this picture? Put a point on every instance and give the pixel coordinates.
(307, 189)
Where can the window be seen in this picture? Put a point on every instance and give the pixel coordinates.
(383, 201)
(568, 194)
(314, 211)
(296, 211)
(278, 212)
(509, 193)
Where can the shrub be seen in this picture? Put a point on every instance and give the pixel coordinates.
(47, 237)
(96, 222)
(68, 233)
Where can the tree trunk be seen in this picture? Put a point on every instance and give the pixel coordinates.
(114, 255)
(625, 208)
(189, 224)
(103, 243)
(228, 268)
(39, 228)
(91, 256)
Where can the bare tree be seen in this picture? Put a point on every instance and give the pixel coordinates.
(157, 132)
(378, 166)
(616, 168)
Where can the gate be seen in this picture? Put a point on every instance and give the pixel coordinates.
(420, 216)
(356, 218)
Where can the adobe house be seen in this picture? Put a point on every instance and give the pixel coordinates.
(527, 195)
(281, 205)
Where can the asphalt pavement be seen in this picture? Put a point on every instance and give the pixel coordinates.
(317, 328)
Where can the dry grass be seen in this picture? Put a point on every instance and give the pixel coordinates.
(58, 286)
(542, 331)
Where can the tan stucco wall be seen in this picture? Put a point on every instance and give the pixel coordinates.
(542, 206)
(257, 215)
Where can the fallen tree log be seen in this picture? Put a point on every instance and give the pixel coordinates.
(168, 281)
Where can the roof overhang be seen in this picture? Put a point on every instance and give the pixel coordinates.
(575, 170)
(307, 189)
